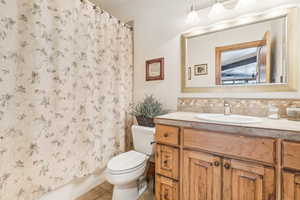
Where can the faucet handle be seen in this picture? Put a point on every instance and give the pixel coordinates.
(227, 108)
(227, 105)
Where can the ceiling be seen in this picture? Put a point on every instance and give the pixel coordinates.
(112, 4)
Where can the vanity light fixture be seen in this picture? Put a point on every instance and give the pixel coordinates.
(245, 4)
(217, 9)
(193, 17)
(220, 7)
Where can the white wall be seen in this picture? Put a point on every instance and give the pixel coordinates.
(158, 26)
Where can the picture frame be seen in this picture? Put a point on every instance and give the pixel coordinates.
(189, 73)
(155, 69)
(201, 69)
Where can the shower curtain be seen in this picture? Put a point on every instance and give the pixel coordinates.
(65, 86)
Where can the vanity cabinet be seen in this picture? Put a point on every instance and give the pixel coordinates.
(209, 177)
(167, 135)
(291, 185)
(291, 174)
(252, 148)
(291, 155)
(201, 160)
(167, 161)
(194, 164)
(166, 189)
(247, 181)
(201, 176)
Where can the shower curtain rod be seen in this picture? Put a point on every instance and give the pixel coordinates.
(96, 7)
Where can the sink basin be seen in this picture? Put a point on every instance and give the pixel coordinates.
(232, 119)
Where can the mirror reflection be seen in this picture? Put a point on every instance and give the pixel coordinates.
(246, 63)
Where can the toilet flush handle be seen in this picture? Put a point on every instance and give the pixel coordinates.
(152, 142)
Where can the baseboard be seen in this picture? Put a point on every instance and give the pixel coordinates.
(76, 188)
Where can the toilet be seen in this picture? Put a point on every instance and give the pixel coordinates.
(125, 170)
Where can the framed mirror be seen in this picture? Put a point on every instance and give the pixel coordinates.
(254, 54)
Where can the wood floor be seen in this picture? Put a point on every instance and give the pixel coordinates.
(104, 192)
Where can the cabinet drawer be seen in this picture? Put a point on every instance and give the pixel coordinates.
(166, 189)
(167, 161)
(291, 155)
(167, 134)
(260, 149)
(291, 186)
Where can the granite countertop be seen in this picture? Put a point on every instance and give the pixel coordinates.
(275, 128)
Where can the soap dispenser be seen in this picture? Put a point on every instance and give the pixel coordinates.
(273, 112)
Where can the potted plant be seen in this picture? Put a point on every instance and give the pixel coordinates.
(146, 111)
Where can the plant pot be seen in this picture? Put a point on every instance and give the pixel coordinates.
(145, 121)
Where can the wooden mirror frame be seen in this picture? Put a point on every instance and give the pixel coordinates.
(292, 45)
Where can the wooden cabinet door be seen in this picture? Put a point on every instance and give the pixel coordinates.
(201, 176)
(247, 181)
(166, 189)
(291, 186)
(167, 161)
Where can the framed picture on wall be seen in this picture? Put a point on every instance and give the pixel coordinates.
(155, 69)
(200, 70)
(189, 73)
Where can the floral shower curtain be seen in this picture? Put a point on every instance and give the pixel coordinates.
(65, 85)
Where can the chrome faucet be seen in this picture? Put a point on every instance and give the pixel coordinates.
(227, 109)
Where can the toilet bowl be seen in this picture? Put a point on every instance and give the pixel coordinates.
(124, 171)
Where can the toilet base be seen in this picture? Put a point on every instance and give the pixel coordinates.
(130, 191)
(142, 185)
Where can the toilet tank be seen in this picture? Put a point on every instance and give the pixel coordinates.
(142, 138)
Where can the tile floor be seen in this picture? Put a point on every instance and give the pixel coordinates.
(104, 192)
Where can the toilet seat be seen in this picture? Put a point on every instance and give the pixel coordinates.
(112, 172)
(127, 162)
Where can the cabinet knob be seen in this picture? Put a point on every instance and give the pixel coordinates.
(227, 166)
(217, 163)
(165, 162)
(166, 135)
(166, 196)
(271, 197)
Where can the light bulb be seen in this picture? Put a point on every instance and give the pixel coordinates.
(216, 10)
(192, 18)
(245, 4)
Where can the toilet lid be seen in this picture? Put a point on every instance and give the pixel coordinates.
(126, 161)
